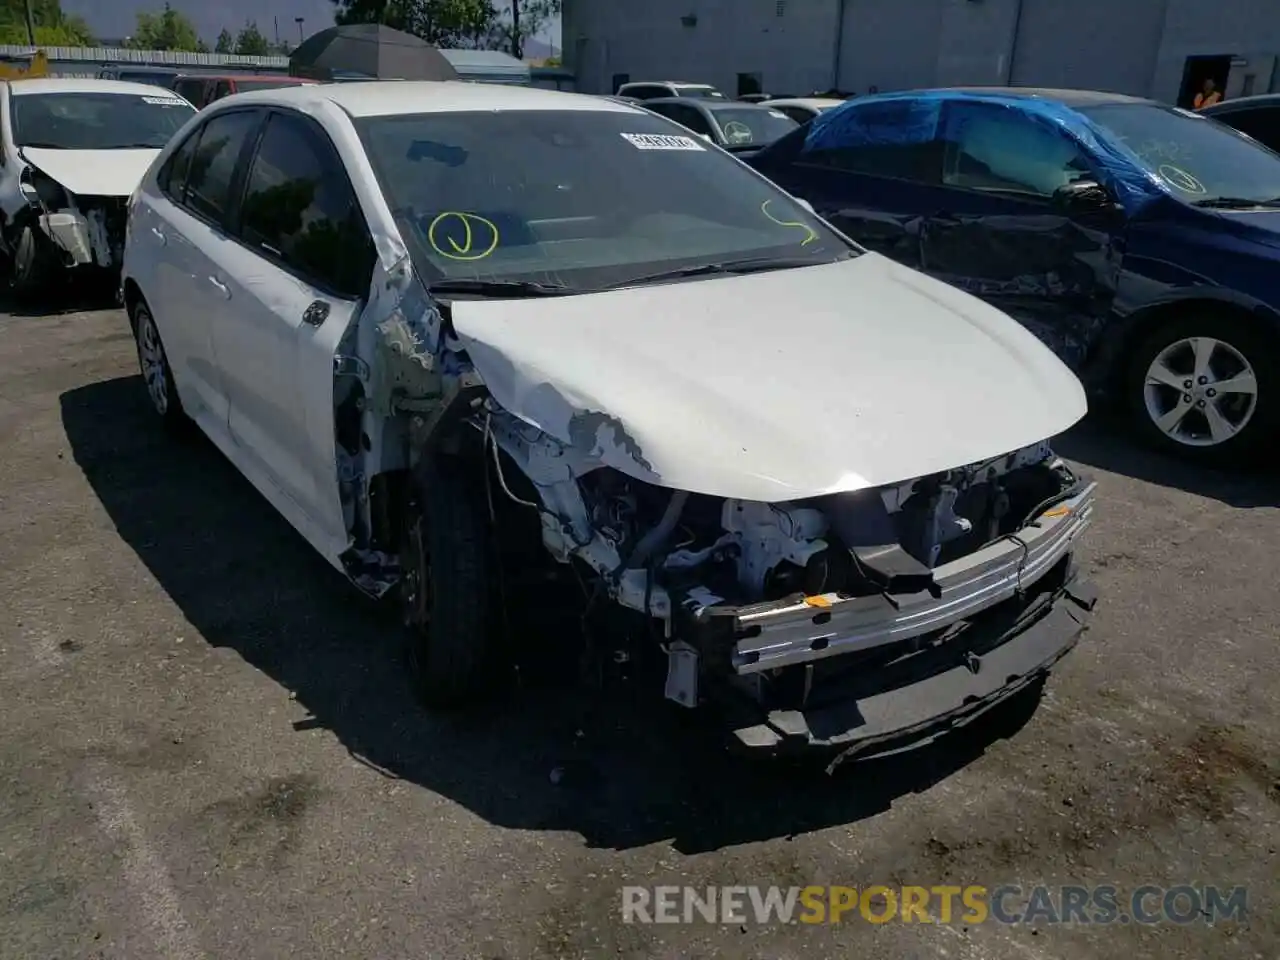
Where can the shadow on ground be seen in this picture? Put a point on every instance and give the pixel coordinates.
(244, 578)
(1102, 442)
(63, 295)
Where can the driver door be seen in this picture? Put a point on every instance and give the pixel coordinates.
(1005, 231)
(290, 288)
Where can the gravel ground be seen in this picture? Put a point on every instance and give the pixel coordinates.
(208, 747)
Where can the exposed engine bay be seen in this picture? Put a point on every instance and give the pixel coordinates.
(81, 230)
(766, 598)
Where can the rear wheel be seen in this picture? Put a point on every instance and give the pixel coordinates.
(153, 363)
(1206, 388)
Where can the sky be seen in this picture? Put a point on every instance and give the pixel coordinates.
(115, 18)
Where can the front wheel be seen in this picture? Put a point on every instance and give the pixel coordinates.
(1206, 388)
(446, 591)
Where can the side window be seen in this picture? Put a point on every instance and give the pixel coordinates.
(695, 120)
(1263, 124)
(223, 89)
(895, 139)
(300, 210)
(213, 165)
(172, 177)
(998, 149)
(647, 93)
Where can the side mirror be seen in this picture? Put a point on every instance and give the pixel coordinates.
(1084, 196)
(806, 204)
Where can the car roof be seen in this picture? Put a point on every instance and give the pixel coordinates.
(1243, 103)
(1069, 98)
(712, 104)
(244, 76)
(23, 86)
(381, 98)
(678, 84)
(814, 102)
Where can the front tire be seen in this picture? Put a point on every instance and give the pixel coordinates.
(153, 363)
(1207, 389)
(447, 592)
(30, 266)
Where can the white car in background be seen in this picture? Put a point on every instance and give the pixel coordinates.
(803, 109)
(74, 150)
(428, 319)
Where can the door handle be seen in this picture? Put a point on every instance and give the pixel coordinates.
(221, 287)
(159, 235)
(316, 313)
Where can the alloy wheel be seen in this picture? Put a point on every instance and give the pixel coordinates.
(1200, 391)
(152, 361)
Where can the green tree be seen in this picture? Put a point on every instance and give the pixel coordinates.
(53, 27)
(251, 43)
(521, 21)
(225, 42)
(442, 23)
(167, 30)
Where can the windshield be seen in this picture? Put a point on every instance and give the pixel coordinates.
(753, 128)
(1198, 158)
(578, 198)
(97, 121)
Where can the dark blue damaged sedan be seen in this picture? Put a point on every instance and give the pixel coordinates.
(1140, 241)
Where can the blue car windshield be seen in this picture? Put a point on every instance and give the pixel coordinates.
(1199, 159)
(578, 198)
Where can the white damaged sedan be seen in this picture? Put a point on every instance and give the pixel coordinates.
(428, 319)
(73, 151)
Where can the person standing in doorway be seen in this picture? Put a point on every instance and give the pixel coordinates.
(1208, 95)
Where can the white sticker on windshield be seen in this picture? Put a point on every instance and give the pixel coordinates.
(166, 101)
(778, 113)
(661, 141)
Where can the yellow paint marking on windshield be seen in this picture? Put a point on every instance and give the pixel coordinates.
(813, 234)
(466, 249)
(1179, 178)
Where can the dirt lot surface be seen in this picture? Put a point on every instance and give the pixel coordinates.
(208, 747)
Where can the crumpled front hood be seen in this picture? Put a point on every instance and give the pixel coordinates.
(93, 173)
(774, 386)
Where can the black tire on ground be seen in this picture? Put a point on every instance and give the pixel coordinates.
(448, 595)
(1237, 337)
(153, 363)
(30, 267)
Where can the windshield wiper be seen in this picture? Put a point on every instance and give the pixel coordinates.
(502, 289)
(38, 145)
(751, 265)
(1235, 203)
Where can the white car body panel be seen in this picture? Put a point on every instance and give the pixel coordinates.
(780, 385)
(94, 173)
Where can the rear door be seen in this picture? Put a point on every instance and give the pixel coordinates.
(179, 227)
(1002, 234)
(292, 285)
(876, 176)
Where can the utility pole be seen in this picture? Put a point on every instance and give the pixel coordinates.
(276, 21)
(31, 23)
(517, 45)
(298, 21)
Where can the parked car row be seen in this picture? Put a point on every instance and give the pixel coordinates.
(792, 415)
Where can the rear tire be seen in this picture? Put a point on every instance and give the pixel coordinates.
(447, 591)
(153, 363)
(1206, 388)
